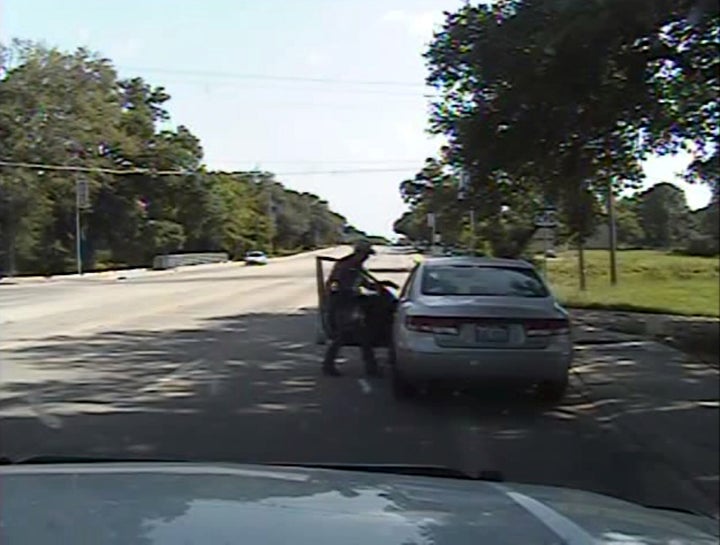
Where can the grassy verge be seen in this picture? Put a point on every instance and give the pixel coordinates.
(649, 281)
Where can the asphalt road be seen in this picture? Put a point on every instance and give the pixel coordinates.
(219, 363)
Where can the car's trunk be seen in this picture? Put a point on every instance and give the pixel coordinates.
(491, 322)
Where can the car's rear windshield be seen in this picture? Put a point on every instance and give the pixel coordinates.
(255, 254)
(482, 280)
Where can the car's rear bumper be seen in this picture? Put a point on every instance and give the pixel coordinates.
(552, 363)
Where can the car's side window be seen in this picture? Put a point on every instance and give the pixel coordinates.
(407, 288)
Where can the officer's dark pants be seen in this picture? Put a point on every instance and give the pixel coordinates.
(341, 311)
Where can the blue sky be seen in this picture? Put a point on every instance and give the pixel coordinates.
(238, 74)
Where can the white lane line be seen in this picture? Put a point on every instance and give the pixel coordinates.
(175, 374)
(47, 419)
(365, 386)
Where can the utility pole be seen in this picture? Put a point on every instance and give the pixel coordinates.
(271, 217)
(612, 233)
(81, 202)
(581, 262)
(473, 243)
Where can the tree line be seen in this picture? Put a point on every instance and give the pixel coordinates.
(550, 103)
(71, 109)
(660, 218)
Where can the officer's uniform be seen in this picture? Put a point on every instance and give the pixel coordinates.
(347, 309)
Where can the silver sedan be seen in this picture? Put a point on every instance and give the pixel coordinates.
(470, 318)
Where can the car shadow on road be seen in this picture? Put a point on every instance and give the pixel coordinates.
(243, 388)
(247, 388)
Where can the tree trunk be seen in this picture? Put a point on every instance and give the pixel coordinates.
(581, 262)
(10, 261)
(612, 233)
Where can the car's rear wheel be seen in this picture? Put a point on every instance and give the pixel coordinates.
(402, 387)
(552, 391)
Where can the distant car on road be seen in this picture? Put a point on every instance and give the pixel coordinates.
(256, 258)
(465, 318)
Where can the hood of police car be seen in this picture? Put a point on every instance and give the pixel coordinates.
(157, 503)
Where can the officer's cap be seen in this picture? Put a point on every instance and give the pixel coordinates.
(363, 247)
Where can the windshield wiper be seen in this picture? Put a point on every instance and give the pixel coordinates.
(403, 469)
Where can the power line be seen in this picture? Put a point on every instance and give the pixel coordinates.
(101, 170)
(385, 162)
(341, 171)
(269, 77)
(121, 172)
(235, 85)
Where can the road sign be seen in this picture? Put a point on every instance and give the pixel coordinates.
(82, 193)
(546, 218)
(431, 220)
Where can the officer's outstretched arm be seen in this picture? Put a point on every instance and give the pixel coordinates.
(367, 282)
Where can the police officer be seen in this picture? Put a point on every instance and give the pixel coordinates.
(347, 309)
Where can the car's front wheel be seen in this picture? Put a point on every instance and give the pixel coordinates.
(552, 391)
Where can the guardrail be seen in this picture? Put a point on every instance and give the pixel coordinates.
(170, 261)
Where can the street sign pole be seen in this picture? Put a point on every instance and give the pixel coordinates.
(78, 243)
(431, 224)
(547, 220)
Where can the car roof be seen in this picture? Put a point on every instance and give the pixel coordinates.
(478, 261)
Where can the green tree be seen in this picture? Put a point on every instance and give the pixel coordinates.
(70, 109)
(560, 98)
(629, 229)
(664, 216)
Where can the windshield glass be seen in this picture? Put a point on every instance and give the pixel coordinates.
(209, 215)
(478, 280)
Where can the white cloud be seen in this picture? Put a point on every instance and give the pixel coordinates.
(420, 23)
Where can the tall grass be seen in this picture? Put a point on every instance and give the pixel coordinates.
(648, 281)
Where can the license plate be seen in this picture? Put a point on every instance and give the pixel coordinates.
(491, 334)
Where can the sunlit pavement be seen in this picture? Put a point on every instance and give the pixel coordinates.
(220, 364)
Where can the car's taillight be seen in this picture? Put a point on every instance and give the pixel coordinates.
(548, 327)
(433, 324)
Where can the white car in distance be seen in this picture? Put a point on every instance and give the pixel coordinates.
(256, 258)
(479, 319)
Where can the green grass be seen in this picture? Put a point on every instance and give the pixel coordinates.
(649, 281)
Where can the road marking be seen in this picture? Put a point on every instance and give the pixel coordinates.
(46, 418)
(365, 386)
(173, 375)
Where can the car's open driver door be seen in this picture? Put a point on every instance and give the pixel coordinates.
(323, 266)
(381, 308)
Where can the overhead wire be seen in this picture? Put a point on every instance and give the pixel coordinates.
(270, 77)
(101, 170)
(152, 172)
